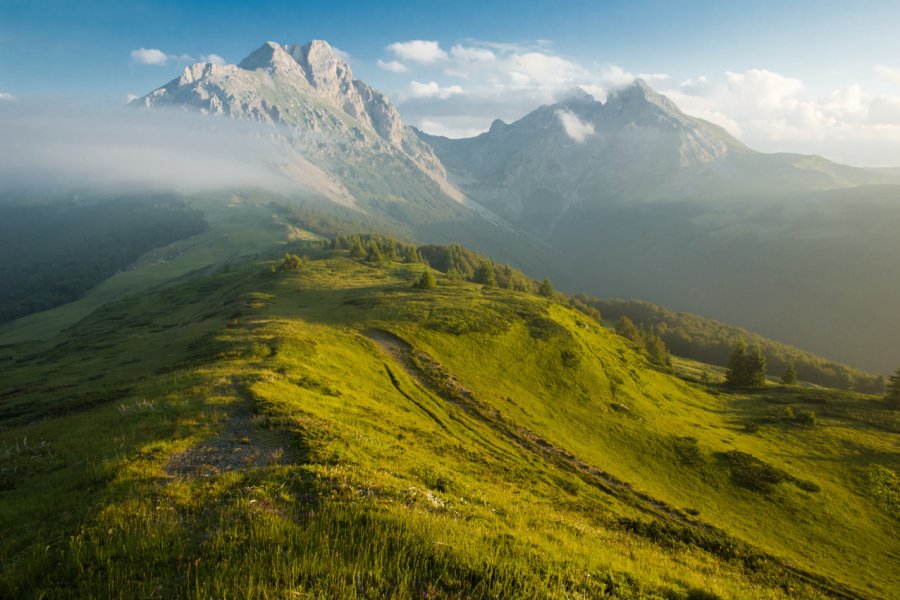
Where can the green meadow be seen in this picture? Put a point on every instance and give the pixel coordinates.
(331, 431)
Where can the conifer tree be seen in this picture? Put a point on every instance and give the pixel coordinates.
(374, 254)
(736, 374)
(546, 288)
(357, 250)
(656, 348)
(789, 377)
(627, 329)
(484, 275)
(892, 393)
(756, 368)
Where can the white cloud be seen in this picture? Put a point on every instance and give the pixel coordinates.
(768, 111)
(472, 54)
(423, 52)
(46, 146)
(889, 74)
(393, 66)
(212, 58)
(129, 98)
(5, 97)
(453, 127)
(342, 54)
(772, 112)
(149, 56)
(575, 128)
(155, 56)
(433, 90)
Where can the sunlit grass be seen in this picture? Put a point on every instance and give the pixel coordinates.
(386, 489)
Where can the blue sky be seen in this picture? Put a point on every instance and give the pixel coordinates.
(800, 76)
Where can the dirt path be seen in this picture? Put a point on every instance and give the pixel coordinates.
(242, 445)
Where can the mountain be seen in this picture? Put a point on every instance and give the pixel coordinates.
(638, 146)
(347, 140)
(321, 428)
(643, 201)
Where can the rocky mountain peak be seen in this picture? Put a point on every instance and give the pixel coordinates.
(270, 56)
(325, 70)
(498, 125)
(639, 95)
(576, 96)
(289, 84)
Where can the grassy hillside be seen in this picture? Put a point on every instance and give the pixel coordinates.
(51, 254)
(332, 432)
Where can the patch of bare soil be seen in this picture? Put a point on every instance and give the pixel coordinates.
(243, 445)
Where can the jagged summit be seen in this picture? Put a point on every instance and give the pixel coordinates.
(268, 56)
(638, 95)
(310, 89)
(498, 125)
(576, 95)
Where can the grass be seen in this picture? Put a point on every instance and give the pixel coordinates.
(514, 448)
(236, 230)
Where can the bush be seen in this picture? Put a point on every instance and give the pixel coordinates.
(426, 281)
(752, 473)
(570, 359)
(688, 450)
(807, 418)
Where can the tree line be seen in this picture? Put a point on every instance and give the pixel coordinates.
(712, 342)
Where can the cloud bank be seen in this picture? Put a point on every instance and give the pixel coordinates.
(156, 57)
(45, 148)
(475, 82)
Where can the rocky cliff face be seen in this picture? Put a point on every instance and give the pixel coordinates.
(334, 120)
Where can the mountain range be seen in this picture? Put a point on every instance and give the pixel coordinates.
(240, 391)
(629, 197)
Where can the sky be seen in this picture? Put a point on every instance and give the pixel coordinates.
(817, 77)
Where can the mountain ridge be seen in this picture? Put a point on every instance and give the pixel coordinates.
(335, 120)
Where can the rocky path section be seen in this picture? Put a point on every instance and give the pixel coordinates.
(242, 445)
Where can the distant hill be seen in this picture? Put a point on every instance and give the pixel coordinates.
(711, 342)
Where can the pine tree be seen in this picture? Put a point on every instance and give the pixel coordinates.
(892, 393)
(789, 377)
(656, 348)
(484, 275)
(736, 375)
(357, 250)
(756, 368)
(627, 329)
(546, 288)
(374, 254)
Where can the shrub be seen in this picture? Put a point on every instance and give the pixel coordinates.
(570, 359)
(688, 450)
(807, 418)
(426, 281)
(752, 473)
